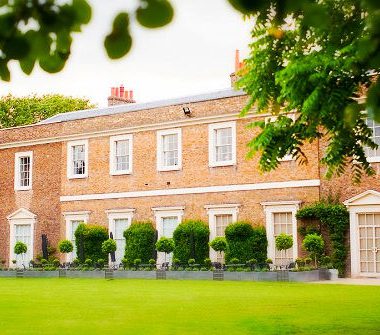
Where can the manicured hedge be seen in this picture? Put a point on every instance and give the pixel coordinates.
(140, 239)
(92, 236)
(246, 242)
(191, 239)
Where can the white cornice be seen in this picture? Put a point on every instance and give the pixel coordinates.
(129, 130)
(194, 190)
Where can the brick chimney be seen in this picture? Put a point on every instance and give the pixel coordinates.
(238, 66)
(120, 96)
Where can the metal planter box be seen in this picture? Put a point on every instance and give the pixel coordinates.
(85, 274)
(192, 275)
(8, 274)
(304, 276)
(41, 274)
(134, 274)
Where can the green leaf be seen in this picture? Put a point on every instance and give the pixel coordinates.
(27, 64)
(119, 41)
(117, 45)
(16, 48)
(52, 63)
(4, 71)
(249, 6)
(154, 13)
(82, 11)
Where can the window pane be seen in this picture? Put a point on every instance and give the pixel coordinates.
(170, 150)
(79, 167)
(24, 171)
(375, 128)
(221, 222)
(223, 144)
(120, 226)
(122, 155)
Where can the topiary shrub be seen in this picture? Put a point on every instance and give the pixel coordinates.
(219, 244)
(165, 245)
(20, 248)
(246, 242)
(65, 246)
(314, 244)
(191, 239)
(109, 246)
(88, 240)
(140, 239)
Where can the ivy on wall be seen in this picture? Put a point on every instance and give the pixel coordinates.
(335, 218)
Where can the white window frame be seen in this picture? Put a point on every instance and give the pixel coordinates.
(160, 134)
(211, 143)
(212, 212)
(83, 216)
(119, 214)
(271, 208)
(372, 159)
(21, 217)
(17, 179)
(159, 214)
(273, 118)
(113, 140)
(70, 165)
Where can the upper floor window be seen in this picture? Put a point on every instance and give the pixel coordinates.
(222, 144)
(77, 159)
(23, 170)
(373, 155)
(169, 150)
(121, 154)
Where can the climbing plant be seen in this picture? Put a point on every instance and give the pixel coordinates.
(335, 218)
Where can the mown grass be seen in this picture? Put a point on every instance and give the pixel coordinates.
(91, 306)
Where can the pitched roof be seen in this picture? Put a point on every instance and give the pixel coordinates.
(89, 113)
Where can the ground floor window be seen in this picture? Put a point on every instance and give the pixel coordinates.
(220, 216)
(280, 217)
(167, 220)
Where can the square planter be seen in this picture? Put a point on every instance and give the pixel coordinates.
(192, 275)
(134, 274)
(333, 274)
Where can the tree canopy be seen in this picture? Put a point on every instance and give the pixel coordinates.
(18, 111)
(321, 68)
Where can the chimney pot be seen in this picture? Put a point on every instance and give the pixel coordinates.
(237, 60)
(121, 91)
(126, 95)
(116, 92)
(131, 95)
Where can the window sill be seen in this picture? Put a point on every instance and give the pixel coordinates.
(29, 188)
(169, 168)
(219, 164)
(373, 159)
(120, 173)
(78, 177)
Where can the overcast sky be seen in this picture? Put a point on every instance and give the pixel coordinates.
(194, 54)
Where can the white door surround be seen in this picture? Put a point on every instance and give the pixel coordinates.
(21, 217)
(363, 205)
(271, 208)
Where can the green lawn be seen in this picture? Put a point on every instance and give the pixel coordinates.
(85, 306)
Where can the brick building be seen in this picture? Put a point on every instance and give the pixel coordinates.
(164, 161)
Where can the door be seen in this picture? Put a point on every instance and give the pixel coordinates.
(169, 224)
(369, 243)
(23, 233)
(120, 225)
(74, 226)
(282, 224)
